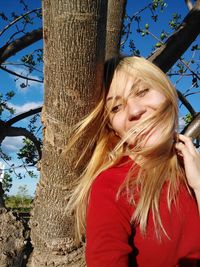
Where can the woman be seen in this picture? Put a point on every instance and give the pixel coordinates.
(139, 196)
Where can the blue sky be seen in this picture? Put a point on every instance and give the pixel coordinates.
(32, 96)
(25, 98)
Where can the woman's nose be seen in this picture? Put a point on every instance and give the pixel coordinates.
(135, 109)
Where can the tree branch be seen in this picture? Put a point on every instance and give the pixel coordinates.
(20, 64)
(19, 75)
(23, 116)
(18, 131)
(193, 128)
(19, 44)
(174, 47)
(17, 19)
(128, 26)
(178, 43)
(186, 103)
(188, 67)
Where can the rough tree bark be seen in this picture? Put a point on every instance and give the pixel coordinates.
(74, 52)
(116, 12)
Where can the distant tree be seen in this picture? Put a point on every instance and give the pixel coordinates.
(20, 202)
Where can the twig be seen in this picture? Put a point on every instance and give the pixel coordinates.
(183, 74)
(19, 166)
(187, 66)
(21, 64)
(16, 20)
(19, 75)
(131, 20)
(186, 103)
(193, 93)
(155, 37)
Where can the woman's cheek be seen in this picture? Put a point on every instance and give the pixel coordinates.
(118, 126)
(154, 138)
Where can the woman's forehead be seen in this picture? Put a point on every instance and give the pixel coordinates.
(122, 82)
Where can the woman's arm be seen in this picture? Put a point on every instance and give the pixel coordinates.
(108, 226)
(191, 158)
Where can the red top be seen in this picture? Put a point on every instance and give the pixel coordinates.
(112, 242)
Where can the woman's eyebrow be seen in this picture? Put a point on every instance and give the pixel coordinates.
(115, 97)
(135, 85)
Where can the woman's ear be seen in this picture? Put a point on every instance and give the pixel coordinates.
(113, 139)
(111, 129)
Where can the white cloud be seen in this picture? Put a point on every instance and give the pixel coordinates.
(25, 107)
(12, 144)
(181, 123)
(19, 81)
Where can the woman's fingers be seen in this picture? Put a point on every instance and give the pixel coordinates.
(187, 141)
(191, 158)
(183, 150)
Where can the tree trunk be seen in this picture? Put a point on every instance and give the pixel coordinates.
(74, 52)
(116, 11)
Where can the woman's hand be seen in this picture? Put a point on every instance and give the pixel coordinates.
(191, 159)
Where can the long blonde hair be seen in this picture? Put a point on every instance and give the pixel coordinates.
(158, 164)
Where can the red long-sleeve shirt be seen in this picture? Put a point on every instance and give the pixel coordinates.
(111, 241)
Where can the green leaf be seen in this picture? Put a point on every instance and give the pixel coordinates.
(163, 36)
(158, 44)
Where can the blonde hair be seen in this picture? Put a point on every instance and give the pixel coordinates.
(158, 164)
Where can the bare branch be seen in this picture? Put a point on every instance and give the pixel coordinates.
(193, 93)
(189, 4)
(19, 44)
(155, 37)
(23, 116)
(17, 19)
(187, 66)
(178, 43)
(21, 64)
(128, 26)
(183, 74)
(19, 75)
(186, 103)
(11, 167)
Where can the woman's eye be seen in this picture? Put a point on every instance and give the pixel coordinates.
(142, 92)
(116, 108)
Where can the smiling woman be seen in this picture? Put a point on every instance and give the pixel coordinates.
(129, 101)
(135, 196)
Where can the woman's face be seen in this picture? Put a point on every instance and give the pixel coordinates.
(129, 101)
